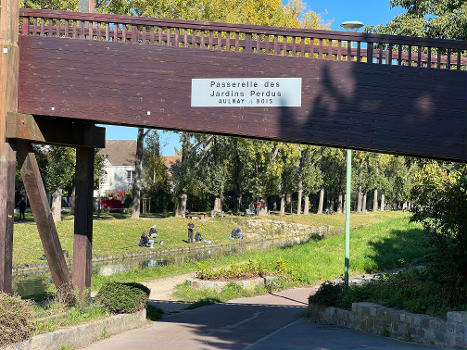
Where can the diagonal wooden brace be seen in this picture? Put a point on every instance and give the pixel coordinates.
(43, 216)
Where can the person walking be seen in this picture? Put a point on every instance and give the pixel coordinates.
(22, 208)
(190, 227)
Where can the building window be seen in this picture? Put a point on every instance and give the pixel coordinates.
(130, 175)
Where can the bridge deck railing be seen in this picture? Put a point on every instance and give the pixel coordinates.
(318, 44)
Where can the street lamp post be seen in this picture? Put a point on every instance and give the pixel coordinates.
(350, 26)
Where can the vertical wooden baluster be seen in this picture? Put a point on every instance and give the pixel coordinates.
(359, 56)
(419, 57)
(143, 34)
(339, 50)
(302, 46)
(210, 40)
(67, 33)
(151, 35)
(390, 47)
(227, 41)
(312, 47)
(201, 41)
(399, 55)
(349, 50)
(369, 52)
(248, 46)
(107, 31)
(386, 54)
(330, 55)
(159, 36)
(276, 45)
(380, 53)
(177, 37)
(42, 26)
(267, 38)
(320, 49)
(124, 32)
(168, 36)
(50, 27)
(258, 43)
(57, 27)
(185, 37)
(25, 26)
(294, 47)
(458, 59)
(115, 37)
(284, 46)
(449, 60)
(90, 31)
(410, 56)
(438, 59)
(83, 30)
(428, 60)
(75, 29)
(236, 40)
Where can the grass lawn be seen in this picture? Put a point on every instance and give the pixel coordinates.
(117, 236)
(379, 247)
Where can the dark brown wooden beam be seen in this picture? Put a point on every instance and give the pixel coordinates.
(82, 246)
(9, 63)
(54, 131)
(35, 190)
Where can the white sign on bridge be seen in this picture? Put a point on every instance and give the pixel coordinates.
(246, 92)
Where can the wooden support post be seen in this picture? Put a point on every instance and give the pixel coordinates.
(35, 189)
(82, 246)
(9, 62)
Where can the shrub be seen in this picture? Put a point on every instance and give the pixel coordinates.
(121, 298)
(15, 319)
(328, 294)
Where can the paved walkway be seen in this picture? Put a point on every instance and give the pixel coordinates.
(271, 321)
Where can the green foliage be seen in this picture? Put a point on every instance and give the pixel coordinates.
(121, 297)
(251, 269)
(328, 294)
(15, 319)
(440, 194)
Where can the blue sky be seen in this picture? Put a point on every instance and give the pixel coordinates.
(370, 12)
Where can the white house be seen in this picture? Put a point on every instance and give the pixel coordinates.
(120, 165)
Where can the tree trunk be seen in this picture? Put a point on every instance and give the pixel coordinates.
(72, 210)
(340, 200)
(288, 200)
(359, 199)
(383, 203)
(300, 194)
(283, 204)
(321, 201)
(375, 200)
(364, 202)
(57, 205)
(217, 204)
(137, 182)
(180, 208)
(306, 208)
(239, 202)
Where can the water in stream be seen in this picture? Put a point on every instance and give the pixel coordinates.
(35, 283)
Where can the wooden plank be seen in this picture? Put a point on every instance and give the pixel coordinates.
(39, 203)
(9, 63)
(333, 112)
(47, 130)
(82, 245)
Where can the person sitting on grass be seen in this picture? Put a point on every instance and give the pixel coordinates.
(145, 241)
(153, 232)
(236, 233)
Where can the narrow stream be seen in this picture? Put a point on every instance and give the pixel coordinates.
(33, 282)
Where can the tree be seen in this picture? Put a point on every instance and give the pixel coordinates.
(310, 174)
(59, 173)
(444, 19)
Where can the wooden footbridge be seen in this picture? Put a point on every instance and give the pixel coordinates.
(62, 72)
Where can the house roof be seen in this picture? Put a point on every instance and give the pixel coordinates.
(120, 152)
(123, 153)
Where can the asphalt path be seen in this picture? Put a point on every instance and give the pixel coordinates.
(273, 321)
